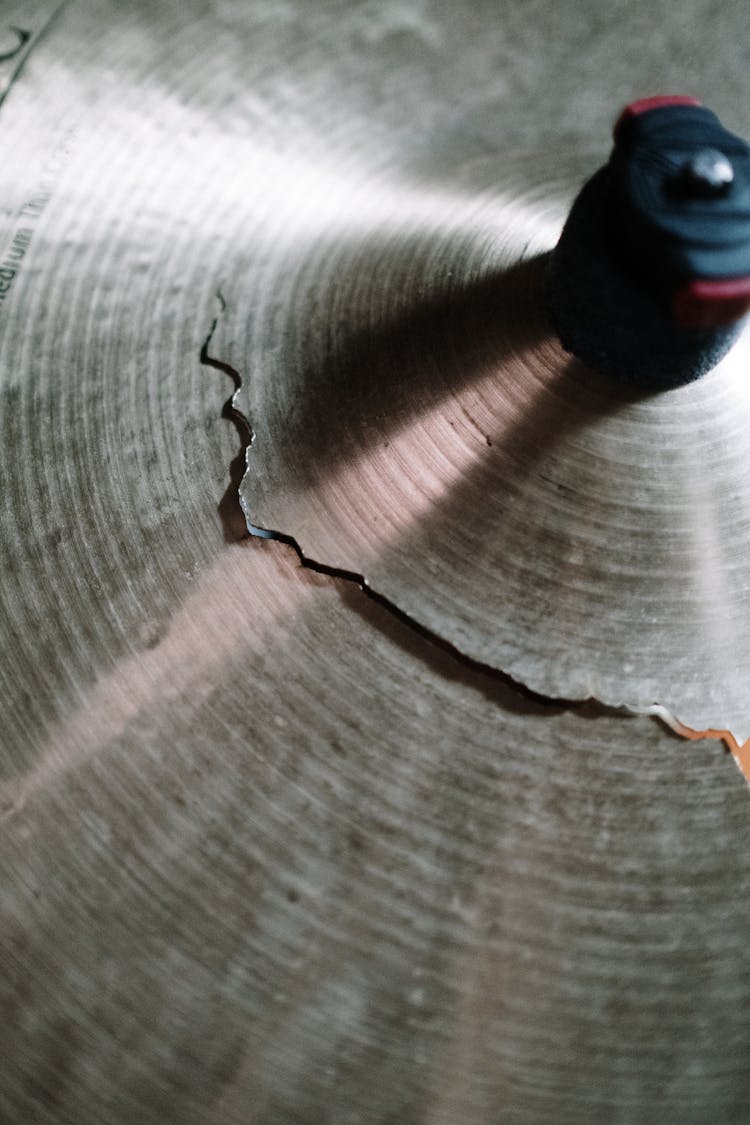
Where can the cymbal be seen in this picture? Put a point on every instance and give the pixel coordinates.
(269, 852)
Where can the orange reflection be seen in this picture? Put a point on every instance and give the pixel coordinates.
(739, 751)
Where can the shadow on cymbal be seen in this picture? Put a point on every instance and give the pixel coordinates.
(381, 351)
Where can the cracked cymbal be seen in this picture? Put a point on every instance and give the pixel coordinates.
(419, 425)
(265, 850)
(586, 539)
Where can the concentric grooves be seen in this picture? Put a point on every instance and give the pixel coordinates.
(267, 854)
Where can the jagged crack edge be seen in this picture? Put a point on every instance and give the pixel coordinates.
(232, 413)
(656, 711)
(740, 751)
(470, 662)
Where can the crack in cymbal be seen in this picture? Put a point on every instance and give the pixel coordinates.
(739, 751)
(233, 509)
(230, 510)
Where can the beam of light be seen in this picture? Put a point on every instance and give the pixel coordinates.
(210, 631)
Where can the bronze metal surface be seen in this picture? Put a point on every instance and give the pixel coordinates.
(267, 853)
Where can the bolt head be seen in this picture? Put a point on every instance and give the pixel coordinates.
(707, 173)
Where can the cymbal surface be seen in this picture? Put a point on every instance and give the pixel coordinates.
(402, 891)
(267, 854)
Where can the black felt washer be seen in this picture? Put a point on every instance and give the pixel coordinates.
(610, 318)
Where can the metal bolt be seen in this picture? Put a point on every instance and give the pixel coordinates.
(707, 173)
